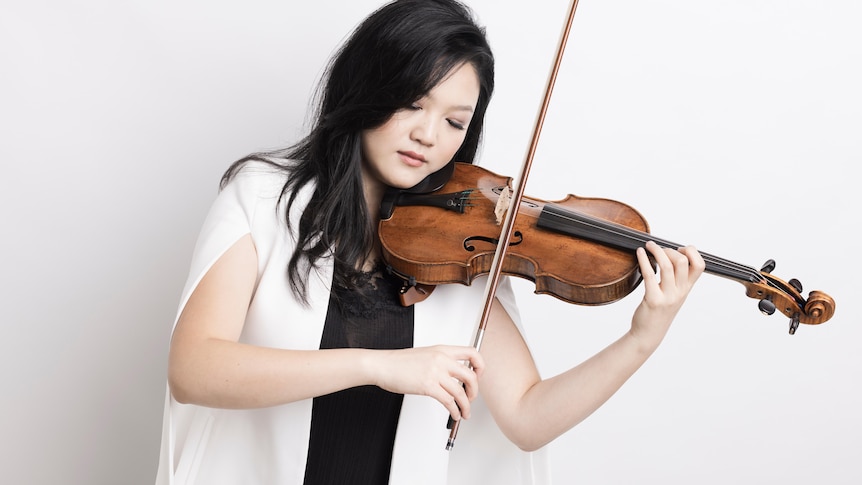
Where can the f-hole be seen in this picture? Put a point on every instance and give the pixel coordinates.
(517, 237)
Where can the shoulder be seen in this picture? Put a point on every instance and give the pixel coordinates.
(254, 189)
(257, 179)
(258, 194)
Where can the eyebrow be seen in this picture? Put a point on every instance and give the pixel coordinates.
(458, 107)
(463, 107)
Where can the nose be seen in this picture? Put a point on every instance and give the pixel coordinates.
(424, 131)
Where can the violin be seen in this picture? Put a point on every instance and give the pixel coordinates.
(580, 250)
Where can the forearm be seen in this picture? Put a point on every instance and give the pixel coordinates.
(553, 406)
(225, 374)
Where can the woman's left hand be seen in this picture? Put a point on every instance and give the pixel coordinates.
(665, 289)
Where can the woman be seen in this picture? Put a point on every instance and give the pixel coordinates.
(292, 360)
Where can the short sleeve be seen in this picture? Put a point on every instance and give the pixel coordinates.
(253, 191)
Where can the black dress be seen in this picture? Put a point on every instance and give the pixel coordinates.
(353, 431)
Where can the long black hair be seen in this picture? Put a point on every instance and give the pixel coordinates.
(393, 58)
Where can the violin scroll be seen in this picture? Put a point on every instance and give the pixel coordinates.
(776, 294)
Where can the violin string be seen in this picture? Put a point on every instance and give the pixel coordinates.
(601, 228)
(719, 265)
(642, 237)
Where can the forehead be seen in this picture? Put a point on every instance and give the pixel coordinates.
(460, 87)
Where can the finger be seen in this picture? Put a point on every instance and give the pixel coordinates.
(469, 355)
(477, 362)
(679, 266)
(457, 392)
(666, 260)
(658, 256)
(449, 402)
(468, 380)
(647, 271)
(696, 264)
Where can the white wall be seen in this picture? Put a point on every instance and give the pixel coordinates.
(731, 125)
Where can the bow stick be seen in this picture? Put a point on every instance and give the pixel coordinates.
(515, 201)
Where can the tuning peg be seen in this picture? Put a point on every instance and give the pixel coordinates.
(794, 323)
(796, 284)
(768, 266)
(767, 307)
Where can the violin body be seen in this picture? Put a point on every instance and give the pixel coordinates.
(456, 245)
(580, 250)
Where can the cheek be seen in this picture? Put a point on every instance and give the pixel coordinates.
(453, 145)
(379, 139)
(366, 145)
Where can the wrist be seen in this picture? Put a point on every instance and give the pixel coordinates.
(370, 365)
(644, 342)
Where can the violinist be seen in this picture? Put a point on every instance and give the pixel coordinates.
(292, 360)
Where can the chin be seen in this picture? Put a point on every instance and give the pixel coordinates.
(404, 182)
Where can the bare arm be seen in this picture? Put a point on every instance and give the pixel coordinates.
(532, 411)
(208, 366)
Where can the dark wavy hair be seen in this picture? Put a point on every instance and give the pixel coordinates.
(393, 58)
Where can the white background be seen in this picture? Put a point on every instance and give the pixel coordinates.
(734, 126)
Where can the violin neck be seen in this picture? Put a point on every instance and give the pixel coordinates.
(560, 219)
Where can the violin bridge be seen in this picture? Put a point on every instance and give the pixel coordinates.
(503, 203)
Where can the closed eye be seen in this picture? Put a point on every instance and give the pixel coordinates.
(456, 124)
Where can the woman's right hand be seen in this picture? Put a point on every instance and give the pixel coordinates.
(439, 372)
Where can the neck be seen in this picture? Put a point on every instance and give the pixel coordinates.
(373, 191)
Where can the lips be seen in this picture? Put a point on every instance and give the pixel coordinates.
(412, 159)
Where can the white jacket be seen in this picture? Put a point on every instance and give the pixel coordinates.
(210, 446)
